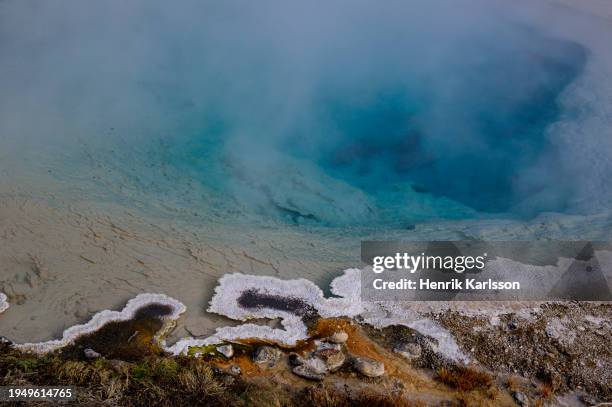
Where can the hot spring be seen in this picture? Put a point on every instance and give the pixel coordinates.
(344, 114)
(155, 146)
(342, 123)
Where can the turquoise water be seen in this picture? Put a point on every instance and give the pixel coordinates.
(395, 136)
(298, 113)
(471, 145)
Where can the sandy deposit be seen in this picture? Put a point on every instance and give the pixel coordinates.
(66, 254)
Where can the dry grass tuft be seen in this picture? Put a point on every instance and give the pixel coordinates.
(464, 378)
(155, 381)
(513, 383)
(546, 391)
(319, 396)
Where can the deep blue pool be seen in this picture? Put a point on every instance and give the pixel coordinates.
(343, 113)
(389, 126)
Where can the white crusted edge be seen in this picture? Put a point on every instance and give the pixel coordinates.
(381, 315)
(348, 304)
(3, 303)
(104, 317)
(231, 286)
(446, 344)
(225, 302)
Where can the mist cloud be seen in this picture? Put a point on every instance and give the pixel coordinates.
(306, 92)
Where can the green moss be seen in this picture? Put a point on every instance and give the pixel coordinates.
(203, 350)
(141, 372)
(27, 365)
(166, 367)
(156, 369)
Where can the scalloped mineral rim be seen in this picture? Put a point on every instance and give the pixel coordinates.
(348, 304)
(225, 301)
(232, 286)
(104, 317)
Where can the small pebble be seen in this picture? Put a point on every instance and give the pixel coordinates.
(368, 367)
(91, 354)
(226, 350)
(521, 399)
(267, 355)
(338, 337)
(306, 373)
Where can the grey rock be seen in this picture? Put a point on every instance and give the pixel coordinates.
(315, 365)
(410, 351)
(321, 345)
(267, 355)
(91, 354)
(234, 370)
(334, 359)
(368, 367)
(226, 350)
(338, 337)
(4, 341)
(305, 372)
(521, 399)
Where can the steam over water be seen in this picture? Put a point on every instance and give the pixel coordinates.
(342, 113)
(155, 146)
